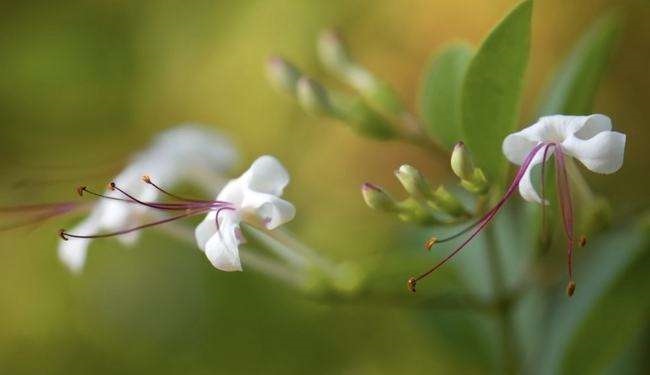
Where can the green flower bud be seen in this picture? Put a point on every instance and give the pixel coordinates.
(332, 51)
(413, 181)
(461, 162)
(313, 97)
(283, 75)
(377, 198)
(471, 178)
(379, 94)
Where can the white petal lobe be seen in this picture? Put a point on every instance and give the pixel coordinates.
(603, 153)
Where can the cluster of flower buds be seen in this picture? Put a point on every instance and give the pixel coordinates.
(424, 204)
(374, 110)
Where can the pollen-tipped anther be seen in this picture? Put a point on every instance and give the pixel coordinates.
(62, 234)
(111, 186)
(146, 179)
(570, 288)
(80, 190)
(411, 284)
(430, 242)
(583, 241)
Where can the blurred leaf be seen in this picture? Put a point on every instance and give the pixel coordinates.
(573, 89)
(610, 304)
(492, 88)
(440, 93)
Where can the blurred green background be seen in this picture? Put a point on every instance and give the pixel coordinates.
(85, 83)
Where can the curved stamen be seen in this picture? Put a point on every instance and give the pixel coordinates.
(178, 206)
(562, 182)
(216, 217)
(65, 235)
(168, 206)
(485, 220)
(544, 223)
(147, 180)
(435, 240)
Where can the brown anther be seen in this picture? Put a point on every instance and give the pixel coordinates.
(111, 186)
(430, 242)
(411, 284)
(582, 241)
(80, 190)
(570, 288)
(62, 234)
(146, 179)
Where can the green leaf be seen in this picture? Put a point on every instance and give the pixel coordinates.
(440, 93)
(492, 87)
(609, 306)
(573, 89)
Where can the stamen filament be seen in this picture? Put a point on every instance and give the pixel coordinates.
(567, 212)
(147, 180)
(64, 235)
(483, 221)
(544, 221)
(169, 206)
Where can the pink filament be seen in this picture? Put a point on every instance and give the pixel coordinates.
(485, 220)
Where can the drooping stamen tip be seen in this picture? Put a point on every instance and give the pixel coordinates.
(583, 241)
(430, 242)
(111, 186)
(411, 284)
(80, 190)
(62, 234)
(570, 288)
(146, 179)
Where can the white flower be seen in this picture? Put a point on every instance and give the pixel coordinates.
(255, 198)
(586, 138)
(184, 153)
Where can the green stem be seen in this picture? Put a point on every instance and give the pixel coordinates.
(504, 306)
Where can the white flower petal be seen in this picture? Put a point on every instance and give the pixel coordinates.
(205, 230)
(516, 147)
(526, 188)
(273, 211)
(222, 248)
(602, 153)
(267, 175)
(197, 147)
(592, 125)
(233, 192)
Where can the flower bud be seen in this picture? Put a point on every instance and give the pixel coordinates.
(379, 94)
(471, 178)
(332, 51)
(313, 97)
(461, 162)
(413, 181)
(282, 74)
(377, 198)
